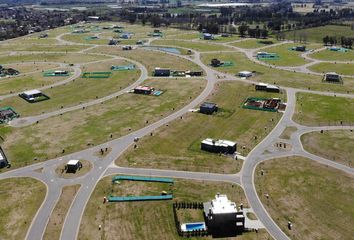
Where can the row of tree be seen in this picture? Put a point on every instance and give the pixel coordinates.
(345, 42)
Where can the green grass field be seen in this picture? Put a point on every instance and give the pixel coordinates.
(88, 89)
(231, 123)
(253, 43)
(199, 46)
(333, 56)
(20, 200)
(345, 69)
(317, 200)
(274, 76)
(314, 110)
(42, 48)
(317, 34)
(74, 130)
(151, 219)
(334, 145)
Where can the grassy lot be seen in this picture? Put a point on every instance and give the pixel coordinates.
(136, 220)
(89, 89)
(317, 34)
(202, 47)
(287, 132)
(151, 59)
(31, 67)
(75, 130)
(58, 215)
(253, 43)
(42, 48)
(185, 36)
(51, 57)
(345, 69)
(288, 57)
(33, 40)
(25, 82)
(291, 184)
(334, 145)
(20, 200)
(333, 56)
(313, 110)
(231, 123)
(274, 76)
(80, 38)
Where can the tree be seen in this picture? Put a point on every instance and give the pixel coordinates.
(242, 30)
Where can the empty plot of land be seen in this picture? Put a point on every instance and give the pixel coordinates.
(58, 215)
(20, 200)
(199, 46)
(255, 43)
(24, 68)
(76, 130)
(51, 57)
(152, 59)
(341, 68)
(333, 55)
(333, 145)
(149, 220)
(79, 91)
(42, 48)
(317, 200)
(313, 109)
(177, 146)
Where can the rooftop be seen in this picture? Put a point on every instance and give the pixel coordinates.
(73, 162)
(218, 142)
(31, 92)
(221, 204)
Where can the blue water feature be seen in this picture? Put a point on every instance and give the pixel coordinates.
(165, 49)
(195, 226)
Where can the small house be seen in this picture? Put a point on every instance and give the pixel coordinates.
(267, 87)
(33, 96)
(207, 36)
(208, 108)
(332, 77)
(215, 62)
(143, 90)
(139, 42)
(3, 159)
(222, 215)
(125, 35)
(218, 146)
(7, 114)
(161, 72)
(112, 42)
(194, 73)
(73, 166)
(245, 74)
(60, 73)
(300, 48)
(127, 48)
(43, 35)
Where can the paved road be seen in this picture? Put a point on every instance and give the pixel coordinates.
(106, 166)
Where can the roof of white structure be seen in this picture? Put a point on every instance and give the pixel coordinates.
(73, 162)
(267, 85)
(245, 72)
(31, 92)
(2, 157)
(218, 142)
(221, 204)
(332, 73)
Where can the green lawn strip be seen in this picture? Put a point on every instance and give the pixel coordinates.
(73, 131)
(231, 123)
(288, 57)
(334, 145)
(184, 36)
(275, 76)
(253, 43)
(317, 34)
(80, 38)
(133, 220)
(81, 90)
(333, 55)
(314, 110)
(21, 199)
(317, 200)
(27, 82)
(202, 47)
(52, 57)
(341, 68)
(42, 48)
(33, 40)
(151, 59)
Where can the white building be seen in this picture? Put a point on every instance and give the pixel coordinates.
(218, 146)
(245, 74)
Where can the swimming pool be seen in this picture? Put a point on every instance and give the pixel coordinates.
(188, 227)
(165, 49)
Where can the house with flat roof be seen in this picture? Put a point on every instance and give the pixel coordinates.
(218, 146)
(144, 90)
(33, 96)
(73, 165)
(267, 87)
(222, 215)
(3, 159)
(162, 72)
(332, 77)
(208, 108)
(245, 74)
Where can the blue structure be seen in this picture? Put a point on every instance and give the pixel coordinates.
(126, 35)
(207, 36)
